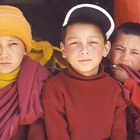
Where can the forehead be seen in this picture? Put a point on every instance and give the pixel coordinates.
(78, 28)
(127, 40)
(126, 37)
(9, 38)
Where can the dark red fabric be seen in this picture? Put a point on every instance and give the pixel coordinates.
(36, 131)
(131, 86)
(20, 101)
(84, 108)
(132, 96)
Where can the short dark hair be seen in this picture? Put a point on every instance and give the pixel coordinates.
(84, 20)
(127, 28)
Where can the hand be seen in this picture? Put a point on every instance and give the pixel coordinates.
(119, 73)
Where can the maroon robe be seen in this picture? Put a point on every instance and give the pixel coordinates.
(132, 96)
(20, 107)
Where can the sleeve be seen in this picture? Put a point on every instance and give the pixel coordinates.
(134, 88)
(54, 113)
(37, 130)
(119, 130)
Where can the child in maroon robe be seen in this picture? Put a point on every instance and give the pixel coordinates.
(21, 80)
(125, 60)
(83, 102)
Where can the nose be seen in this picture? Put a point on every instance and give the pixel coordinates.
(3, 52)
(84, 49)
(125, 58)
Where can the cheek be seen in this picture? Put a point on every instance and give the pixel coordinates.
(19, 51)
(96, 52)
(135, 57)
(71, 52)
(18, 56)
(114, 57)
(136, 63)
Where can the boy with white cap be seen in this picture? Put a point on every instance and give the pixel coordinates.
(83, 102)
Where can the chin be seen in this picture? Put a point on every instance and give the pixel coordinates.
(87, 70)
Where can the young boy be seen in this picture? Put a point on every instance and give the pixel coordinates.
(83, 102)
(125, 59)
(21, 80)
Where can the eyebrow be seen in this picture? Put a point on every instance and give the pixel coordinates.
(95, 36)
(125, 47)
(12, 40)
(118, 45)
(89, 36)
(72, 38)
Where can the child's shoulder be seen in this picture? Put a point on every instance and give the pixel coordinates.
(55, 79)
(112, 82)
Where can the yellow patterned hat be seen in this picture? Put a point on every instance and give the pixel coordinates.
(13, 23)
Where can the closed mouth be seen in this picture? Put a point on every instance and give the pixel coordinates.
(5, 63)
(85, 60)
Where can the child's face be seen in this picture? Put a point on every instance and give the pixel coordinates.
(126, 50)
(12, 51)
(84, 48)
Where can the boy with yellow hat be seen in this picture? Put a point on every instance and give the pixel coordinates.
(21, 79)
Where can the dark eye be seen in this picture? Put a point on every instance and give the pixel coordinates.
(74, 43)
(134, 52)
(119, 49)
(13, 43)
(93, 43)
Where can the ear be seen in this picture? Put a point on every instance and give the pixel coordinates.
(25, 51)
(107, 48)
(62, 47)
